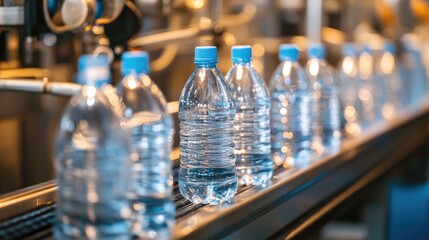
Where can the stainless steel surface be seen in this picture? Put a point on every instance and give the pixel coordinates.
(22, 85)
(154, 7)
(26, 199)
(40, 86)
(58, 88)
(76, 15)
(216, 7)
(111, 10)
(9, 3)
(255, 212)
(31, 198)
(11, 16)
(160, 39)
(314, 20)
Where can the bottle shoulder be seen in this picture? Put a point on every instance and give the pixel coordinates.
(289, 75)
(89, 99)
(320, 74)
(140, 93)
(206, 87)
(246, 83)
(88, 118)
(347, 68)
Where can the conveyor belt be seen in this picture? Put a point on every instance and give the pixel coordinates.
(39, 222)
(279, 209)
(28, 224)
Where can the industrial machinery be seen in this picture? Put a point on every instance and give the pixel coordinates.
(40, 41)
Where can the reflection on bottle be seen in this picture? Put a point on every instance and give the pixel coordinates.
(290, 111)
(348, 81)
(325, 106)
(366, 104)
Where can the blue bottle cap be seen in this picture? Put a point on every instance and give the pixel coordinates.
(288, 52)
(92, 60)
(241, 54)
(135, 62)
(316, 50)
(93, 69)
(390, 47)
(349, 49)
(205, 55)
(366, 48)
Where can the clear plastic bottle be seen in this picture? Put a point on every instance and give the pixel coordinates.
(145, 116)
(206, 112)
(416, 82)
(384, 109)
(348, 80)
(325, 109)
(290, 110)
(91, 160)
(252, 119)
(366, 91)
(390, 82)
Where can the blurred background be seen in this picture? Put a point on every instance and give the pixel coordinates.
(40, 40)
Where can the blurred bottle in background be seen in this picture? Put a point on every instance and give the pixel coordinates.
(290, 110)
(325, 107)
(416, 72)
(392, 85)
(207, 171)
(92, 160)
(145, 116)
(366, 88)
(252, 119)
(384, 100)
(348, 81)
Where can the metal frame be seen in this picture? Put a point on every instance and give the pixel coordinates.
(11, 16)
(27, 199)
(40, 86)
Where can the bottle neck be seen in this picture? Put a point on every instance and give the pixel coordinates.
(93, 79)
(289, 60)
(97, 83)
(206, 65)
(134, 73)
(350, 56)
(242, 63)
(317, 58)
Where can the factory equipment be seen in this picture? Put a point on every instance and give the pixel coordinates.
(41, 40)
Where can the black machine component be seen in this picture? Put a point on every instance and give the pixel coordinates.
(34, 26)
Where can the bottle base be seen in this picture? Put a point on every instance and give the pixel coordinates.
(326, 145)
(212, 193)
(107, 231)
(254, 176)
(152, 234)
(299, 160)
(153, 217)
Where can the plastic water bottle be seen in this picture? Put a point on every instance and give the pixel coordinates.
(366, 90)
(390, 81)
(91, 161)
(348, 81)
(206, 112)
(145, 116)
(383, 107)
(252, 119)
(325, 109)
(290, 110)
(416, 83)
